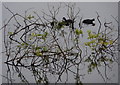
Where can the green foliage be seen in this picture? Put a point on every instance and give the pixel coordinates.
(37, 48)
(33, 34)
(78, 31)
(36, 35)
(38, 53)
(22, 45)
(91, 35)
(97, 39)
(98, 44)
(30, 17)
(45, 34)
(45, 48)
(10, 33)
(90, 43)
(42, 36)
(60, 25)
(92, 66)
(89, 31)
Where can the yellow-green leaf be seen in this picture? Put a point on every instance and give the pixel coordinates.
(88, 31)
(30, 17)
(10, 33)
(38, 53)
(110, 42)
(78, 32)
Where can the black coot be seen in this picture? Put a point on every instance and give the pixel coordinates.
(89, 21)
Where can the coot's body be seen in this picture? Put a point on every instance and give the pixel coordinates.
(89, 21)
(69, 22)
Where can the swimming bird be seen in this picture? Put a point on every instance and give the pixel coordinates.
(89, 21)
(69, 22)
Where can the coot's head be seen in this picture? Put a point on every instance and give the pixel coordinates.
(64, 18)
(93, 19)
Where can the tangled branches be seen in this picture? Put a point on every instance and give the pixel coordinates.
(52, 47)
